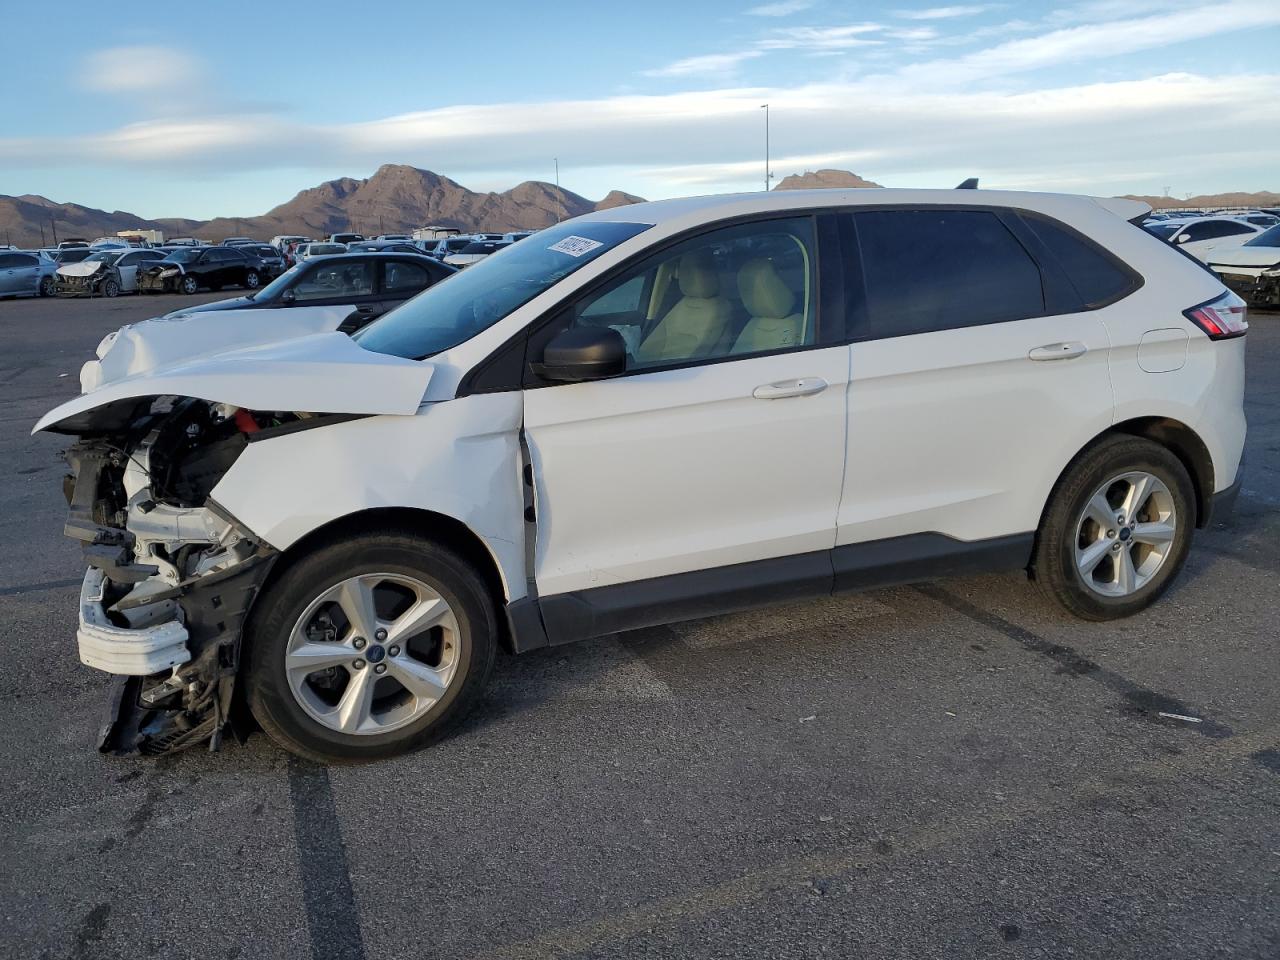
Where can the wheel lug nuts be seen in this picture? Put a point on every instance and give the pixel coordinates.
(380, 634)
(1120, 519)
(1111, 534)
(358, 643)
(394, 651)
(380, 668)
(359, 664)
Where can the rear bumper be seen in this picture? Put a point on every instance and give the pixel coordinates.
(134, 652)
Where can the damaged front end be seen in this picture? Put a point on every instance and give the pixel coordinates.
(171, 575)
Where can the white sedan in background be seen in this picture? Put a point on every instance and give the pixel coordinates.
(1199, 235)
(1252, 269)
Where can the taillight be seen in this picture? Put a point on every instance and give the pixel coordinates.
(1221, 318)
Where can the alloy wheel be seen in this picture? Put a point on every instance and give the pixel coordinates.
(1125, 534)
(372, 653)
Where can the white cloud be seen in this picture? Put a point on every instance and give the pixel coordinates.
(141, 68)
(708, 64)
(1091, 42)
(821, 38)
(784, 8)
(944, 13)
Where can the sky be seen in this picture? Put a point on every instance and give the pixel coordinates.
(232, 108)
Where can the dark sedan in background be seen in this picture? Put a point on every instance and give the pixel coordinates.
(192, 268)
(369, 283)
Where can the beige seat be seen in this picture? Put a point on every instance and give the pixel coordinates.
(696, 323)
(769, 302)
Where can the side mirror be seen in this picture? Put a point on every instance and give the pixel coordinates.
(288, 296)
(583, 353)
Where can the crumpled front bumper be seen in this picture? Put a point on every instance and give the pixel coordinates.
(134, 652)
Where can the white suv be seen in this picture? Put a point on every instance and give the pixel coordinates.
(654, 412)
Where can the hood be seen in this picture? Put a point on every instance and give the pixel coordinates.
(1244, 256)
(235, 303)
(320, 373)
(152, 344)
(82, 269)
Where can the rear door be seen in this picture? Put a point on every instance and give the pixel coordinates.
(11, 273)
(975, 375)
(25, 272)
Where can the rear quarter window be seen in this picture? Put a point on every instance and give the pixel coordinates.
(1098, 277)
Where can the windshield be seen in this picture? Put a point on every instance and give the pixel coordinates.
(187, 255)
(445, 315)
(1162, 230)
(321, 249)
(103, 257)
(1267, 238)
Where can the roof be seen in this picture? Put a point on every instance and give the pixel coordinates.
(723, 206)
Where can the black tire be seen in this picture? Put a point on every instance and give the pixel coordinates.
(277, 611)
(110, 288)
(252, 280)
(46, 286)
(1055, 555)
(188, 284)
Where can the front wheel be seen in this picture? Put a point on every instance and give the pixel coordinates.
(1117, 530)
(251, 280)
(368, 648)
(46, 286)
(110, 289)
(189, 285)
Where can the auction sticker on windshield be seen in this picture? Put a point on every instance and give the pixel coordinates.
(575, 246)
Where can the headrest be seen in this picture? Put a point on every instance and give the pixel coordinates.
(697, 275)
(763, 292)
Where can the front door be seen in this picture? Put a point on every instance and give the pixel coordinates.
(721, 444)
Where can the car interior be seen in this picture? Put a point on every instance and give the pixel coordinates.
(750, 292)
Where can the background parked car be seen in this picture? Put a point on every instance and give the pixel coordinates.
(283, 240)
(371, 283)
(232, 241)
(26, 272)
(1251, 269)
(345, 238)
(475, 251)
(394, 236)
(308, 250)
(391, 246)
(273, 262)
(1199, 235)
(67, 254)
(446, 246)
(190, 269)
(106, 273)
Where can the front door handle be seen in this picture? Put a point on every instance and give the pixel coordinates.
(1058, 351)
(803, 387)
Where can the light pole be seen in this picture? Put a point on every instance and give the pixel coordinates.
(767, 175)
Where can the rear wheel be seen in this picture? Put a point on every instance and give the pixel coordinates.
(46, 286)
(368, 648)
(1117, 530)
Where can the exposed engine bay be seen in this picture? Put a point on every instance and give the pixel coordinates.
(171, 574)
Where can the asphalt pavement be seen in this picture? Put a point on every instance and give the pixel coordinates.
(952, 770)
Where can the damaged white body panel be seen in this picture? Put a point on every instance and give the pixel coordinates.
(321, 373)
(151, 344)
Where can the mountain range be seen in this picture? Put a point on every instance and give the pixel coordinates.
(396, 199)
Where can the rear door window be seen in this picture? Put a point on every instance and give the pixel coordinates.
(401, 278)
(927, 270)
(1098, 277)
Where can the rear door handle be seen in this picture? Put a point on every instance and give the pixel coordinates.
(804, 387)
(1058, 351)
